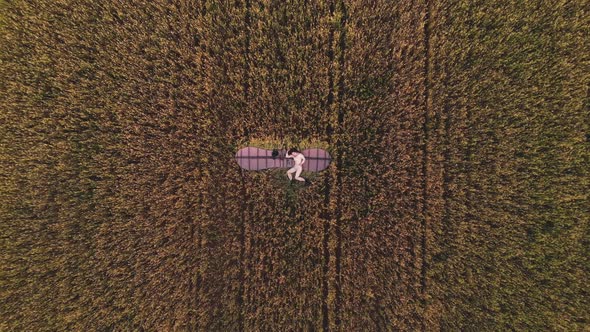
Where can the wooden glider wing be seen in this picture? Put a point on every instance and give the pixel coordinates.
(255, 159)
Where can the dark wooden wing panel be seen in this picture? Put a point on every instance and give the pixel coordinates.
(256, 159)
(316, 160)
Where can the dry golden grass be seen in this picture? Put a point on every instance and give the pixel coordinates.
(456, 199)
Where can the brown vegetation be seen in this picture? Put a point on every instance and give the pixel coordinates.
(456, 199)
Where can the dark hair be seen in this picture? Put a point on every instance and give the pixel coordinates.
(291, 150)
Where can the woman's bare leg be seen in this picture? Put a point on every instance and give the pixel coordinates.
(291, 171)
(297, 177)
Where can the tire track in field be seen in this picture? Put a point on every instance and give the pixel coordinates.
(327, 215)
(425, 158)
(341, 92)
(245, 205)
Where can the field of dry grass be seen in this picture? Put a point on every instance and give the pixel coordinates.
(457, 198)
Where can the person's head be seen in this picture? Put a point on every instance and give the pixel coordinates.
(291, 150)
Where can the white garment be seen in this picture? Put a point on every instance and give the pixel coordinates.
(299, 159)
